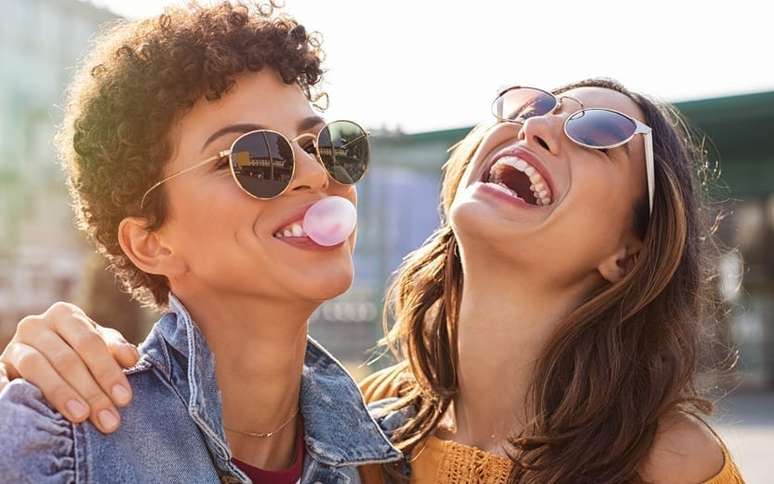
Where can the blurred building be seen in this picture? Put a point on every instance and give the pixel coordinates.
(41, 256)
(741, 129)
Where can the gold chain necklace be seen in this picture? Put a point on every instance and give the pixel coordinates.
(264, 435)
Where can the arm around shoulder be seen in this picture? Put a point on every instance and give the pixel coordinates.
(38, 445)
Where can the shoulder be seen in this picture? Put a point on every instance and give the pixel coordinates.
(684, 450)
(38, 442)
(386, 383)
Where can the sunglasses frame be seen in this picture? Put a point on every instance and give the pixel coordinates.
(227, 153)
(640, 128)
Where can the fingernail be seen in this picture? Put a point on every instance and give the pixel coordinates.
(120, 394)
(76, 409)
(108, 420)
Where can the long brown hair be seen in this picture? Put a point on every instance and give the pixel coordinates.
(595, 408)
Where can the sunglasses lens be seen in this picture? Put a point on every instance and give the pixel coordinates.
(521, 103)
(344, 151)
(263, 163)
(599, 128)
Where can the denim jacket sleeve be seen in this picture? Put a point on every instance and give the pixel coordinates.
(38, 444)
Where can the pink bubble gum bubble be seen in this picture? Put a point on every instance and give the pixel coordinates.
(330, 221)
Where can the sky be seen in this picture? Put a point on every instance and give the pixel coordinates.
(425, 65)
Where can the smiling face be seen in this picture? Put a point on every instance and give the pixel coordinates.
(219, 238)
(574, 208)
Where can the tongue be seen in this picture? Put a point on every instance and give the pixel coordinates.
(330, 221)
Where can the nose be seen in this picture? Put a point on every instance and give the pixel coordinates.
(544, 131)
(310, 174)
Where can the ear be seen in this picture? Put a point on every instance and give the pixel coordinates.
(620, 262)
(147, 250)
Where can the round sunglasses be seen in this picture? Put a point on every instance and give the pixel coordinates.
(595, 128)
(263, 164)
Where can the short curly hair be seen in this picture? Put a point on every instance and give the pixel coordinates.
(138, 79)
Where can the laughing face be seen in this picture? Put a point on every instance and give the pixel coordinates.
(535, 200)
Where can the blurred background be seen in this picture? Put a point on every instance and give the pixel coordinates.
(419, 75)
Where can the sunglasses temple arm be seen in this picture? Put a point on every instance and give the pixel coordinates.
(182, 172)
(649, 168)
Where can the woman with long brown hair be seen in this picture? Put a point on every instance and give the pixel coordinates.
(552, 335)
(549, 330)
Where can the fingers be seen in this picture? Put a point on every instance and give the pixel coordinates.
(88, 340)
(88, 343)
(125, 353)
(75, 351)
(65, 354)
(38, 371)
(82, 390)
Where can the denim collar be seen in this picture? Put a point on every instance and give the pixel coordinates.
(339, 431)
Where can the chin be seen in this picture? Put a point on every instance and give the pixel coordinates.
(485, 236)
(326, 282)
(473, 220)
(331, 289)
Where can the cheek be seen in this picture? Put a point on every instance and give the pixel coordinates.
(468, 176)
(466, 181)
(601, 188)
(214, 216)
(600, 209)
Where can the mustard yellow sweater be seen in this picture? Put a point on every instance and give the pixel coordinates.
(437, 461)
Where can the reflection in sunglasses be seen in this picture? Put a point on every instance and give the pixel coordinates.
(261, 167)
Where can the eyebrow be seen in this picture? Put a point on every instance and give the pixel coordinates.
(303, 125)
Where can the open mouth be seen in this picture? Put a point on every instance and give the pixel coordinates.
(519, 179)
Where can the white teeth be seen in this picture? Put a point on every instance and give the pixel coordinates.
(539, 187)
(506, 160)
(294, 230)
(517, 163)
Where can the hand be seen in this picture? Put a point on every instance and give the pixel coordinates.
(75, 363)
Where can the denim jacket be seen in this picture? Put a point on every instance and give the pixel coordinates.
(389, 421)
(173, 429)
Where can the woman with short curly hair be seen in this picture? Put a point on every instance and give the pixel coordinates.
(192, 153)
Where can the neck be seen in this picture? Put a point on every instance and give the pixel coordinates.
(506, 319)
(259, 347)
